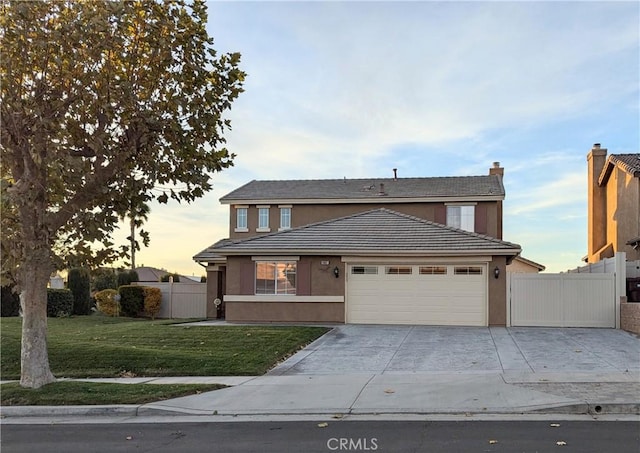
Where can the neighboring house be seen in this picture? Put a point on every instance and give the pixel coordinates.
(614, 204)
(153, 274)
(521, 265)
(388, 251)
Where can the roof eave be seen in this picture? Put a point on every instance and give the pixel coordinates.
(336, 252)
(379, 199)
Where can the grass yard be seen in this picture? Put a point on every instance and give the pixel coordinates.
(68, 393)
(99, 346)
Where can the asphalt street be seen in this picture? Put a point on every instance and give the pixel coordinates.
(317, 436)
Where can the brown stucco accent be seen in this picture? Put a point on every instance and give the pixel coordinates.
(285, 311)
(498, 292)
(488, 215)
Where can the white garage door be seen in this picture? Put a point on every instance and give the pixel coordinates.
(429, 294)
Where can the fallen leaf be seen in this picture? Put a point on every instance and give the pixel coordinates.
(554, 425)
(561, 442)
(389, 391)
(338, 416)
(578, 350)
(129, 437)
(323, 425)
(248, 334)
(493, 441)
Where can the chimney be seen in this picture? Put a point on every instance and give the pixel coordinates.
(395, 174)
(597, 203)
(381, 193)
(496, 169)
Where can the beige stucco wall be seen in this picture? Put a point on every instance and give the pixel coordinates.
(520, 267)
(488, 215)
(614, 212)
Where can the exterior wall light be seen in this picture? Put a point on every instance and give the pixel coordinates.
(336, 271)
(496, 272)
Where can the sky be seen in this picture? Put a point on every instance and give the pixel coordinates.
(355, 89)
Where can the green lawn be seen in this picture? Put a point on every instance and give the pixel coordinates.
(98, 346)
(68, 393)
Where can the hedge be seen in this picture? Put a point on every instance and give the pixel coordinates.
(9, 302)
(59, 303)
(106, 303)
(125, 278)
(131, 300)
(152, 301)
(79, 283)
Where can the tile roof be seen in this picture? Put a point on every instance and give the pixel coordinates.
(363, 189)
(628, 162)
(376, 232)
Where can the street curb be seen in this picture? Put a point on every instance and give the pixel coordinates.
(130, 410)
(144, 410)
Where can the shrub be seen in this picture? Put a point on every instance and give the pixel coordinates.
(106, 303)
(152, 301)
(9, 302)
(79, 283)
(165, 278)
(203, 279)
(131, 300)
(127, 277)
(105, 279)
(59, 303)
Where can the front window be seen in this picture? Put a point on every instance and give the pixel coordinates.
(276, 277)
(241, 218)
(461, 217)
(263, 218)
(285, 218)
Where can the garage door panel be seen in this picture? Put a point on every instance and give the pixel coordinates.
(417, 298)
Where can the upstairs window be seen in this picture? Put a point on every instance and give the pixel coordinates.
(285, 218)
(273, 277)
(241, 219)
(461, 217)
(263, 218)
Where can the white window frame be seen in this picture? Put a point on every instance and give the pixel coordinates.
(278, 290)
(462, 217)
(263, 219)
(239, 227)
(285, 218)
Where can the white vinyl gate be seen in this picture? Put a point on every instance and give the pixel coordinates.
(562, 300)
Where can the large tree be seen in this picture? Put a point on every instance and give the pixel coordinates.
(97, 98)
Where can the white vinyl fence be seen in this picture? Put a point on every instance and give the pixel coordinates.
(181, 300)
(584, 297)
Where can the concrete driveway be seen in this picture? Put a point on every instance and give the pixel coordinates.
(465, 350)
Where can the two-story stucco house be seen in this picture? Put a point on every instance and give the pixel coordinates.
(379, 250)
(614, 204)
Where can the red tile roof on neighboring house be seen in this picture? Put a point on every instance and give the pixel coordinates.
(627, 162)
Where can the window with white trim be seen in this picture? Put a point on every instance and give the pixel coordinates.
(461, 217)
(276, 277)
(285, 218)
(263, 219)
(241, 219)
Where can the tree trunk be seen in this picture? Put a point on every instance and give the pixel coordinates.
(35, 370)
(132, 224)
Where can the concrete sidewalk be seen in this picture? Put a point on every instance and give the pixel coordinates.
(360, 394)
